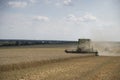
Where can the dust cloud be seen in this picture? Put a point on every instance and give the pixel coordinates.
(107, 48)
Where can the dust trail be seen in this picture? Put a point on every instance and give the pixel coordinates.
(107, 48)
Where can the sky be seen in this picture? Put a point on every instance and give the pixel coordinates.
(98, 20)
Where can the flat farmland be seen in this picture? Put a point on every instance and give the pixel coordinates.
(82, 68)
(52, 63)
(18, 55)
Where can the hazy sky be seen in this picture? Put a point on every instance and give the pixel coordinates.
(60, 19)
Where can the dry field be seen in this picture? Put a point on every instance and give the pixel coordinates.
(34, 63)
(82, 68)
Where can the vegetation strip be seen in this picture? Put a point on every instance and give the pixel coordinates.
(23, 65)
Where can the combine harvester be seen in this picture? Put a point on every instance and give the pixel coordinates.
(84, 46)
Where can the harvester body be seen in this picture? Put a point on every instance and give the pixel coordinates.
(83, 46)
